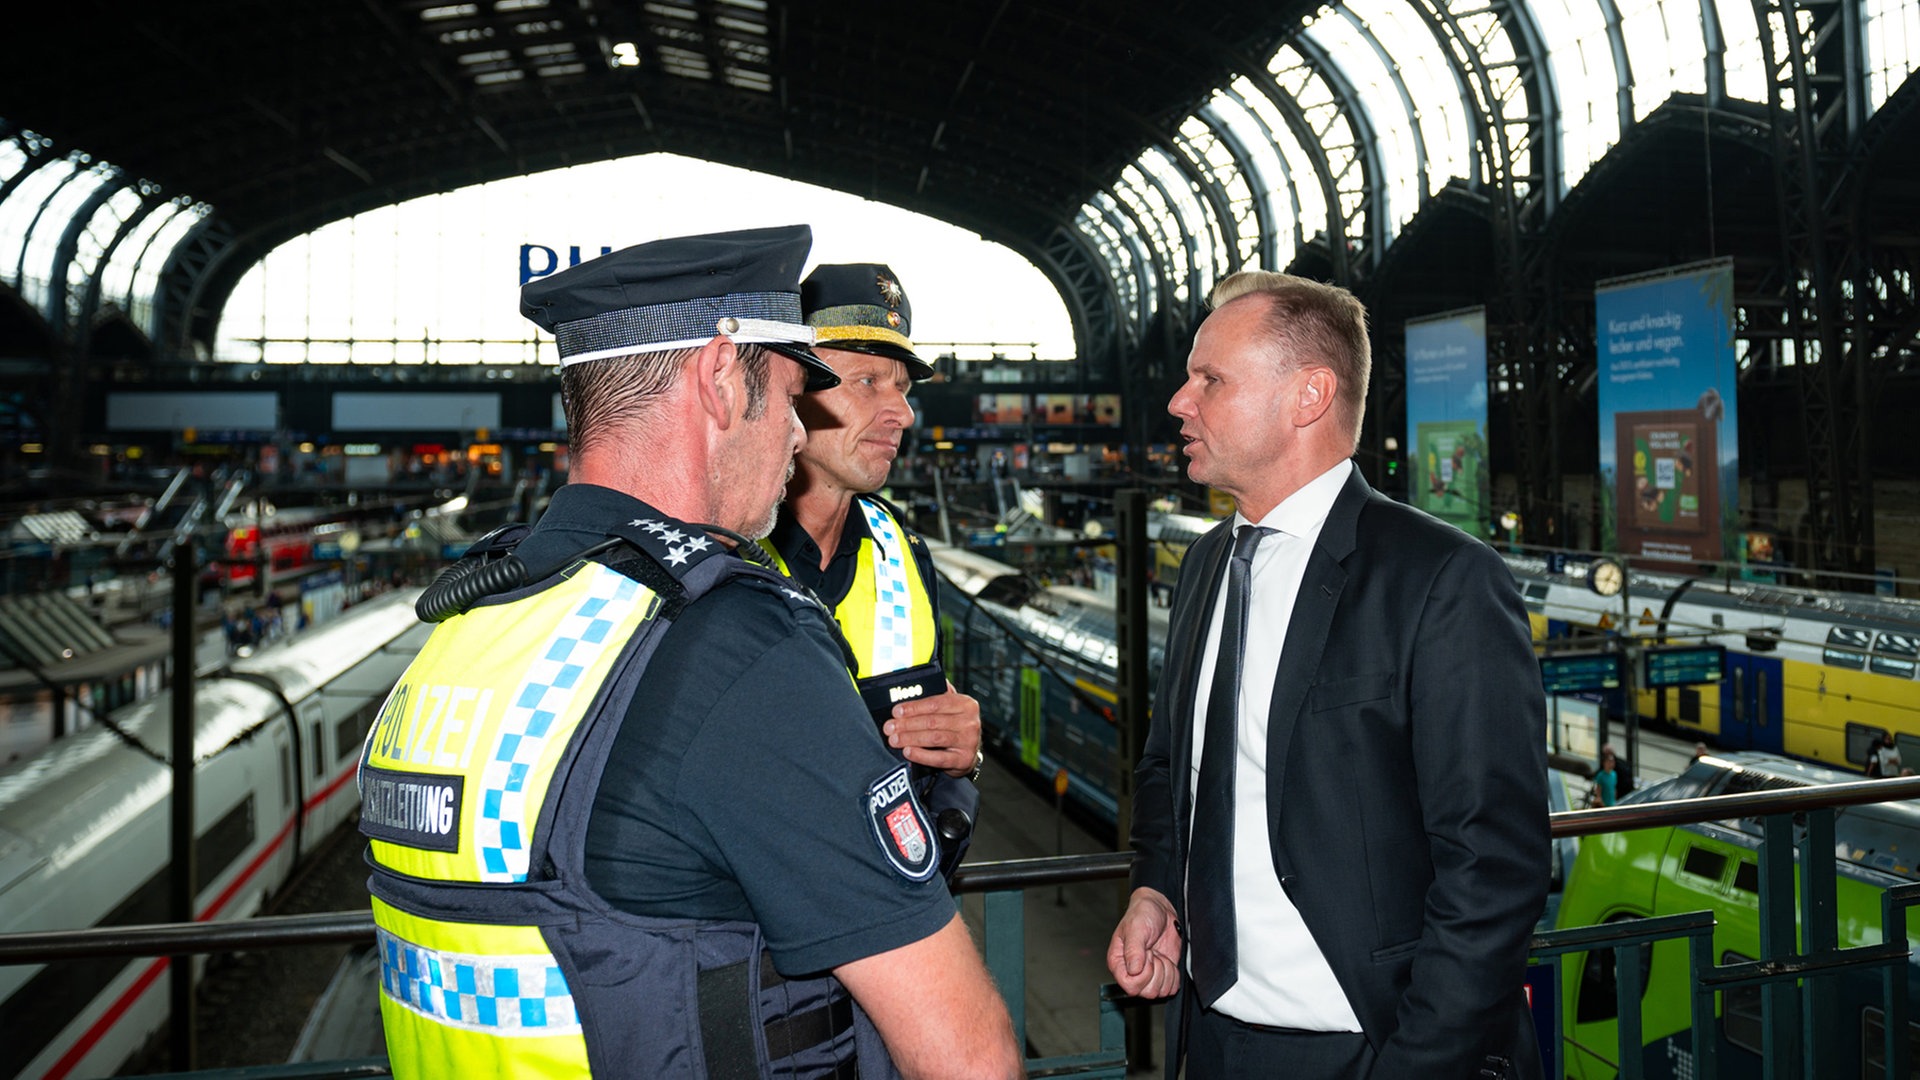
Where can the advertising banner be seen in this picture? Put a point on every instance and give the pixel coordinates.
(1669, 444)
(1447, 417)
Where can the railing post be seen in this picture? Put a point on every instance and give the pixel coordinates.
(1627, 988)
(1706, 1045)
(1819, 935)
(1006, 933)
(181, 889)
(1893, 920)
(1779, 1000)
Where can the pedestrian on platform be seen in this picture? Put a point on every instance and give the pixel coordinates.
(1884, 758)
(629, 817)
(1319, 919)
(1606, 779)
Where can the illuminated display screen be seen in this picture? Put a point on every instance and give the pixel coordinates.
(1685, 665)
(1580, 673)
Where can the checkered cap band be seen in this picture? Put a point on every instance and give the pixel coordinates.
(679, 325)
(499, 995)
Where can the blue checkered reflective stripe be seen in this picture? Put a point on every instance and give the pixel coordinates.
(892, 618)
(549, 686)
(498, 995)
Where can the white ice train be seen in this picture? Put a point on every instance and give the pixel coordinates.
(84, 826)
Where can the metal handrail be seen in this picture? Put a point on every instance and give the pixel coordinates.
(356, 927)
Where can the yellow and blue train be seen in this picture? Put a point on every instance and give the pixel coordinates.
(1809, 674)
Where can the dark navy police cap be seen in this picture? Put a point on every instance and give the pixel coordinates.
(679, 293)
(861, 307)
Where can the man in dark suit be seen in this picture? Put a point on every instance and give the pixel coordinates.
(1341, 811)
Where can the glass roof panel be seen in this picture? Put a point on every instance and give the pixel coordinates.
(106, 223)
(1303, 200)
(38, 271)
(1338, 147)
(1432, 82)
(13, 158)
(1149, 206)
(21, 207)
(1665, 48)
(1197, 223)
(1584, 76)
(1393, 123)
(1893, 46)
(118, 281)
(1269, 178)
(1746, 65)
(146, 276)
(1208, 151)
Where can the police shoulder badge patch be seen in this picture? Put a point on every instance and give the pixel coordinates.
(900, 826)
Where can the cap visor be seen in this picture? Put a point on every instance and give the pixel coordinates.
(819, 375)
(917, 369)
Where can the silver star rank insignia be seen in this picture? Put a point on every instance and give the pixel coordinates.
(677, 556)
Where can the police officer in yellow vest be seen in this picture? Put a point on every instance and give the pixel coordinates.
(839, 538)
(629, 817)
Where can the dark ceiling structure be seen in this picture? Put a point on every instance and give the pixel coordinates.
(1427, 155)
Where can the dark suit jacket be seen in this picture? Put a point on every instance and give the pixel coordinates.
(1406, 772)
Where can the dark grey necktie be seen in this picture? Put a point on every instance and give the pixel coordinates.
(1210, 862)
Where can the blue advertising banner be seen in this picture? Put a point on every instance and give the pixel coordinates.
(1669, 444)
(1447, 417)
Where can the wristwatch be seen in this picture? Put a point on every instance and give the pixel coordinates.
(979, 759)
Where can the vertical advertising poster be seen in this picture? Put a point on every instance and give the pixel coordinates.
(1669, 445)
(1447, 417)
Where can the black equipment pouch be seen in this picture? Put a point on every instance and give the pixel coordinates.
(882, 692)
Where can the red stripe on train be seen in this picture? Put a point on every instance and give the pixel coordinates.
(83, 1045)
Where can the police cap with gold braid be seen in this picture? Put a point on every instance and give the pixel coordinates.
(860, 307)
(679, 293)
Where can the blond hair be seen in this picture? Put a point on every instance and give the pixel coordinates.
(1307, 322)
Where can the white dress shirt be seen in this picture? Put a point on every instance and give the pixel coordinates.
(1284, 980)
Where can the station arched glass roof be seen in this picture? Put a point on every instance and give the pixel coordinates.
(1375, 106)
(1333, 141)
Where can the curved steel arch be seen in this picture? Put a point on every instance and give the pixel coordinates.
(1373, 193)
(96, 282)
(1622, 62)
(1269, 243)
(1406, 102)
(1234, 62)
(69, 247)
(1264, 225)
(20, 258)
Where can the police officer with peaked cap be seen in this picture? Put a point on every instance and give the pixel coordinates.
(845, 542)
(628, 815)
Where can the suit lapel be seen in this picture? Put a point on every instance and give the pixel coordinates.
(1307, 629)
(1183, 667)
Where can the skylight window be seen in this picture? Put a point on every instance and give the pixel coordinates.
(449, 11)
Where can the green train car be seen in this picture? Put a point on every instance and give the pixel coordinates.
(1716, 867)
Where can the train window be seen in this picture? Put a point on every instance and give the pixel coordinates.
(1873, 1045)
(286, 778)
(226, 841)
(1847, 647)
(319, 759)
(350, 732)
(1706, 863)
(1599, 989)
(1896, 655)
(1861, 739)
(1740, 1008)
(1747, 877)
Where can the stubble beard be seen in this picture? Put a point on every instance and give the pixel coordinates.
(772, 515)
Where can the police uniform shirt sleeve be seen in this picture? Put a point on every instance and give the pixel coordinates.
(747, 795)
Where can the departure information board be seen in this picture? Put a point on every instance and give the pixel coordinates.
(1682, 665)
(1580, 673)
